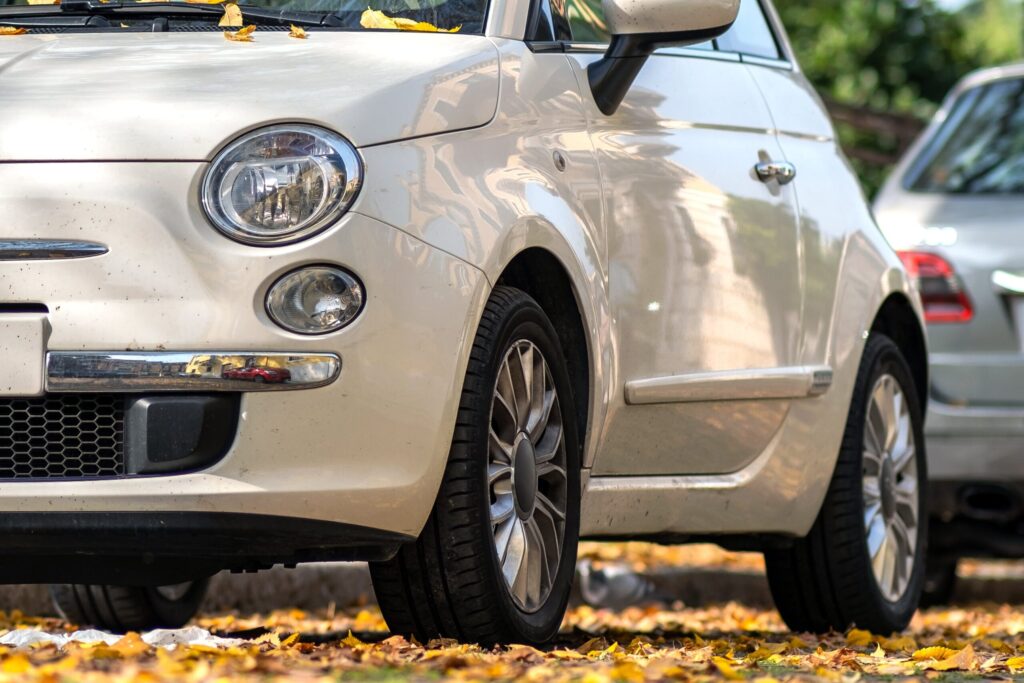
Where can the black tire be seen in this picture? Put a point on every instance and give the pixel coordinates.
(939, 582)
(448, 583)
(127, 608)
(825, 581)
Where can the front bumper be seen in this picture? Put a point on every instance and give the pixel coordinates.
(367, 450)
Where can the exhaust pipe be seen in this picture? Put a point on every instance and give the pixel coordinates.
(989, 503)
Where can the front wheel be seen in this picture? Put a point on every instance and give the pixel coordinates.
(863, 562)
(495, 562)
(129, 608)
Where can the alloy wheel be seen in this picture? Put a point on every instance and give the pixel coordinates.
(891, 487)
(527, 475)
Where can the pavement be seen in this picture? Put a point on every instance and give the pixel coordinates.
(607, 577)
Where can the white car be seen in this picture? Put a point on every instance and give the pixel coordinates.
(444, 301)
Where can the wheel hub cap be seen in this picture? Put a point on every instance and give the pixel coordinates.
(526, 475)
(890, 487)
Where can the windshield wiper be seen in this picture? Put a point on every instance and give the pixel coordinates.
(78, 10)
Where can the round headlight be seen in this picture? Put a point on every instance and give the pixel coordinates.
(281, 184)
(315, 300)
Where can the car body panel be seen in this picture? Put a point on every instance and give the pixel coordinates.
(180, 96)
(706, 286)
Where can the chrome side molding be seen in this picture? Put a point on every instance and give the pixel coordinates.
(42, 250)
(242, 371)
(731, 385)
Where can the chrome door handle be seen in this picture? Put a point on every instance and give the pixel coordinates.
(782, 171)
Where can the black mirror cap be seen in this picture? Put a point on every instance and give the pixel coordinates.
(611, 76)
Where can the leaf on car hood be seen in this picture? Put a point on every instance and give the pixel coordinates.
(372, 18)
(242, 35)
(232, 15)
(297, 32)
(12, 30)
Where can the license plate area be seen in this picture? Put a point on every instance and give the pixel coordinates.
(22, 353)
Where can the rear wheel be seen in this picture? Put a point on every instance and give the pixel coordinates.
(496, 559)
(863, 562)
(129, 608)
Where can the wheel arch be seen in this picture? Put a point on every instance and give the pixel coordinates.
(541, 274)
(897, 319)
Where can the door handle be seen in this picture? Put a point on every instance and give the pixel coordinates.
(782, 171)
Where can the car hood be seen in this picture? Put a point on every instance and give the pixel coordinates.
(181, 96)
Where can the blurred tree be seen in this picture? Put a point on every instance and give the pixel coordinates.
(896, 56)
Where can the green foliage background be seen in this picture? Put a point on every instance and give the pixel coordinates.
(897, 55)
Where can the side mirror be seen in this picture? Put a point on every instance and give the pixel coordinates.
(639, 27)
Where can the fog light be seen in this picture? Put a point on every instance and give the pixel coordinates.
(315, 300)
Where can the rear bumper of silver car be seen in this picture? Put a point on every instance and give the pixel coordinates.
(974, 443)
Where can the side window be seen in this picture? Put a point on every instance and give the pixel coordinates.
(586, 20)
(751, 34)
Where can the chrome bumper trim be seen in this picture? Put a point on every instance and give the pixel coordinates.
(242, 371)
(35, 250)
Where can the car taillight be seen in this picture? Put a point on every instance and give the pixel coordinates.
(943, 298)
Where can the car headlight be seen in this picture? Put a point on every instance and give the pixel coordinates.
(281, 184)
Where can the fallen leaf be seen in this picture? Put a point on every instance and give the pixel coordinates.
(242, 35)
(232, 15)
(297, 32)
(963, 660)
(130, 645)
(726, 669)
(859, 638)
(12, 30)
(1015, 663)
(937, 653)
(375, 19)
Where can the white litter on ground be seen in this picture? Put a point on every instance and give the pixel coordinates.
(165, 638)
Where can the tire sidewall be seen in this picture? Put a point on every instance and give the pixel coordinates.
(527, 321)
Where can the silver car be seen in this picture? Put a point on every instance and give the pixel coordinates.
(954, 209)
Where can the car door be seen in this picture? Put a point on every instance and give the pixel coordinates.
(703, 257)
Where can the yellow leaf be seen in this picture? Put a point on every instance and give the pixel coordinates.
(297, 32)
(232, 15)
(12, 30)
(130, 645)
(242, 35)
(963, 660)
(936, 653)
(903, 644)
(725, 668)
(879, 653)
(16, 664)
(44, 2)
(352, 641)
(1015, 663)
(628, 671)
(859, 638)
(375, 19)
(290, 640)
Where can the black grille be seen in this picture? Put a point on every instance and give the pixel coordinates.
(62, 436)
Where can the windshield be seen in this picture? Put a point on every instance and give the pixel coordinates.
(461, 16)
(979, 149)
